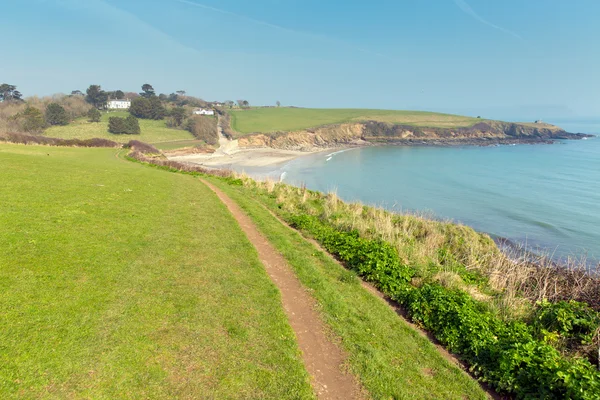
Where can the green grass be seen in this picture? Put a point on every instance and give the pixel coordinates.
(123, 281)
(152, 131)
(391, 359)
(291, 119)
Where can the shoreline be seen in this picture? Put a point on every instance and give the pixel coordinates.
(263, 161)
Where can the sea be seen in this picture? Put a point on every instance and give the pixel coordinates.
(543, 197)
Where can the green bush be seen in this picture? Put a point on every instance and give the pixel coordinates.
(375, 260)
(508, 356)
(147, 108)
(129, 125)
(32, 120)
(94, 115)
(56, 114)
(571, 320)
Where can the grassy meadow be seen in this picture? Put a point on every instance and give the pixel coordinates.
(389, 357)
(123, 281)
(291, 119)
(152, 131)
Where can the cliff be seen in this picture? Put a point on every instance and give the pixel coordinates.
(482, 133)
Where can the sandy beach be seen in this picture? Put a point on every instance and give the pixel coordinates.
(230, 156)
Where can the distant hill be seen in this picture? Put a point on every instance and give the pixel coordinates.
(270, 119)
(309, 128)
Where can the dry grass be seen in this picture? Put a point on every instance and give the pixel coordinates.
(452, 254)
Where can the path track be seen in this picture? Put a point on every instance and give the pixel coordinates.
(323, 359)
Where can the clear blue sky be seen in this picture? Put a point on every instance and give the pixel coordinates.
(535, 58)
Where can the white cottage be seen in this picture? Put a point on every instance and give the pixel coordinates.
(203, 111)
(115, 104)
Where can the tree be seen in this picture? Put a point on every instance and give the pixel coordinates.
(180, 92)
(9, 93)
(178, 114)
(163, 97)
(278, 103)
(33, 120)
(243, 103)
(147, 108)
(127, 126)
(56, 114)
(148, 90)
(119, 94)
(96, 96)
(132, 125)
(94, 115)
(229, 103)
(77, 93)
(116, 125)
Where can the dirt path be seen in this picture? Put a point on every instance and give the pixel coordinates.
(323, 359)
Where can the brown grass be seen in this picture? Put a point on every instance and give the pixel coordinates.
(23, 138)
(441, 250)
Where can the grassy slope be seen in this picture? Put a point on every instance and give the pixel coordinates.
(391, 359)
(122, 281)
(152, 131)
(291, 119)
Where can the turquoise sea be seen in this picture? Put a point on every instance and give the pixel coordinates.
(544, 196)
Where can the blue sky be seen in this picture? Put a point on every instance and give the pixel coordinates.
(509, 58)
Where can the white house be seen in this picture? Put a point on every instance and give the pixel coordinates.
(203, 111)
(115, 104)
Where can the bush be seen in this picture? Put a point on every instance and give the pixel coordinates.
(94, 115)
(142, 147)
(570, 320)
(32, 120)
(128, 126)
(375, 260)
(56, 114)
(147, 108)
(22, 138)
(508, 356)
(203, 128)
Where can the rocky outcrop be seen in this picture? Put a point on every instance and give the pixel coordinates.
(326, 136)
(482, 133)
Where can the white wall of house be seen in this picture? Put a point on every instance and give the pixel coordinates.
(118, 104)
(204, 112)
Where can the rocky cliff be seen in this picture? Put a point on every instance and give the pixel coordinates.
(483, 133)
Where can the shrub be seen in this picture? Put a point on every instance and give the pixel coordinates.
(116, 125)
(56, 114)
(23, 138)
(132, 125)
(507, 355)
(203, 128)
(32, 120)
(142, 147)
(128, 126)
(94, 115)
(147, 108)
(571, 320)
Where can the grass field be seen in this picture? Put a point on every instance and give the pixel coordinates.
(291, 119)
(123, 281)
(152, 131)
(390, 358)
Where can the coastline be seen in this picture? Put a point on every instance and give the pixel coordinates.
(230, 156)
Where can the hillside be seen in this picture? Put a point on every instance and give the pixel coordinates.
(154, 132)
(121, 279)
(327, 128)
(266, 120)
